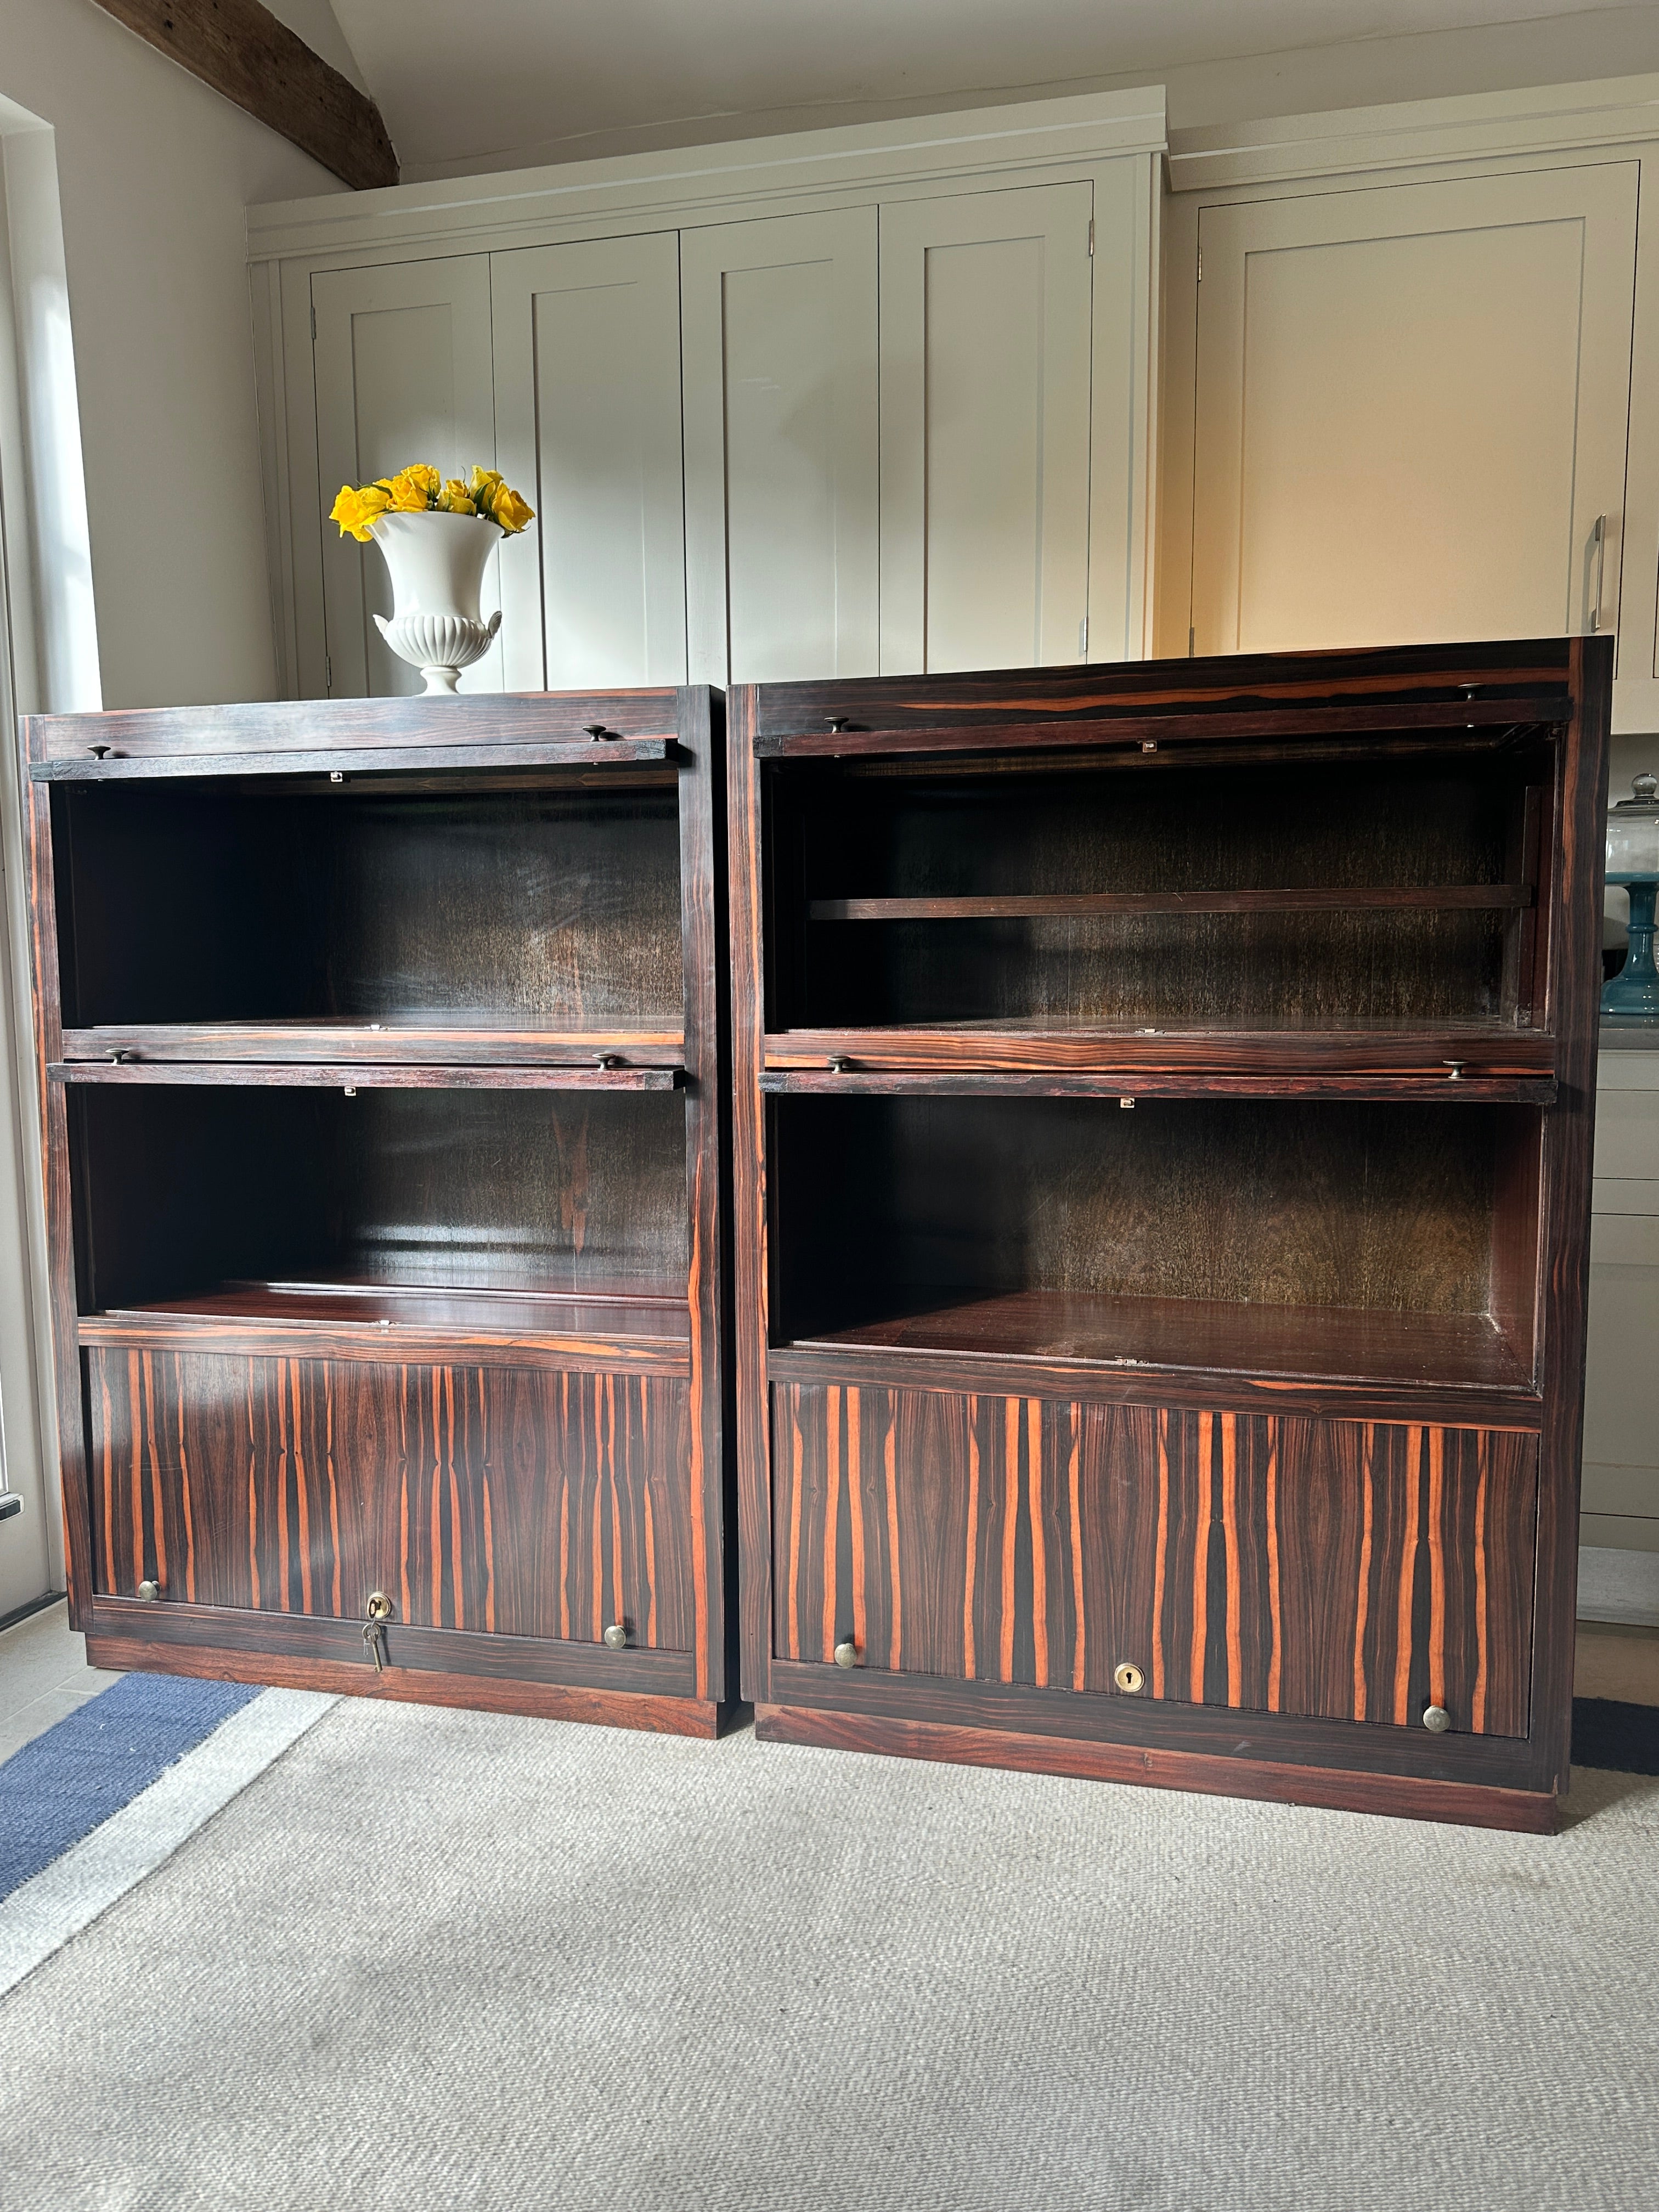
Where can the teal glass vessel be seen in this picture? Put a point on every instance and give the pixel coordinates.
(1632, 995)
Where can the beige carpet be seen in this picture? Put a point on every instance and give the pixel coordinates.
(444, 1960)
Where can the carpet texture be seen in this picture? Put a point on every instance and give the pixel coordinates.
(446, 1961)
(71, 1779)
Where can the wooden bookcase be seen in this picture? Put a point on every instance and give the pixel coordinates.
(384, 1097)
(1162, 1117)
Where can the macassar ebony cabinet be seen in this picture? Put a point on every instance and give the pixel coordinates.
(1162, 1123)
(380, 1048)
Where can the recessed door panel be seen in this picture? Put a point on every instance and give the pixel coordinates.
(404, 374)
(1412, 407)
(781, 447)
(985, 374)
(1346, 1571)
(520, 1501)
(587, 398)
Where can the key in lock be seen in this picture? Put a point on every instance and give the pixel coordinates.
(379, 1610)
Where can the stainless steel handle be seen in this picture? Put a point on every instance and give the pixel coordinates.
(150, 1592)
(1436, 1719)
(846, 1654)
(615, 1637)
(1599, 542)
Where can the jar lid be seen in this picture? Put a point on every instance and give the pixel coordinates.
(1646, 801)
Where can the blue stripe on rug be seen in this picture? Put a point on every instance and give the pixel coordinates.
(71, 1779)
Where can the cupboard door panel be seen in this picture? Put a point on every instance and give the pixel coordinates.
(1346, 1571)
(404, 373)
(587, 410)
(781, 447)
(523, 1501)
(985, 370)
(1411, 405)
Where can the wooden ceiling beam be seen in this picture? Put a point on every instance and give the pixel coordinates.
(240, 50)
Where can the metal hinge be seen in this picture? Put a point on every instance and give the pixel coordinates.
(1091, 238)
(1083, 639)
(313, 326)
(328, 673)
(1201, 279)
(1192, 644)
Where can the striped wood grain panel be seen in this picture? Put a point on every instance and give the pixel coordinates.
(519, 1501)
(1341, 1570)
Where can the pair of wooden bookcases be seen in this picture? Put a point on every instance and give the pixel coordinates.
(1038, 1219)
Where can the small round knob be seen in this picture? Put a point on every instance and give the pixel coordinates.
(615, 1637)
(99, 752)
(1436, 1719)
(846, 1654)
(839, 1065)
(1454, 1069)
(840, 722)
(596, 729)
(150, 1592)
(1129, 1678)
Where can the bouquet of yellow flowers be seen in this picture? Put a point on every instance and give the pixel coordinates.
(418, 489)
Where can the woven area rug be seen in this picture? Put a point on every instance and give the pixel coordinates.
(447, 1959)
(77, 1774)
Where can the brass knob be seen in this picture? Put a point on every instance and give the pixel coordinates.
(1129, 1678)
(150, 1592)
(1436, 1719)
(615, 1637)
(846, 1654)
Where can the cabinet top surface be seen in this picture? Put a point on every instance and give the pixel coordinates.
(1455, 687)
(509, 721)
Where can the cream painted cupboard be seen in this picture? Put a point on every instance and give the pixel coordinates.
(855, 402)
(1621, 1431)
(1413, 370)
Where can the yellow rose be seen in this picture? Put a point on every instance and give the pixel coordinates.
(510, 511)
(347, 512)
(483, 488)
(422, 473)
(455, 499)
(373, 500)
(408, 494)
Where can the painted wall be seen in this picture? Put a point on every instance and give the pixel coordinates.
(155, 172)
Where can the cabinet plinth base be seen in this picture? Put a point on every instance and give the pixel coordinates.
(1406, 1797)
(553, 1701)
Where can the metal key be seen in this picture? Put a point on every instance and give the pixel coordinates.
(379, 1610)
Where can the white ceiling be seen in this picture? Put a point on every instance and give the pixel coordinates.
(493, 81)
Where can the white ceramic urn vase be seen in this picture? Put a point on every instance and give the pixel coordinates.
(437, 565)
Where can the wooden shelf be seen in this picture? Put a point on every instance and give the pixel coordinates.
(1490, 1051)
(641, 1325)
(388, 1044)
(1425, 898)
(368, 1075)
(1304, 1343)
(1129, 1084)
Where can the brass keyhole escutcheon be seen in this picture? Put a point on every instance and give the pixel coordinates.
(379, 1606)
(1129, 1678)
